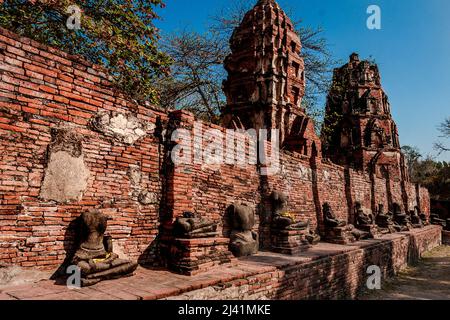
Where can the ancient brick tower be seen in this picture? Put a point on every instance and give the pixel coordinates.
(358, 129)
(266, 78)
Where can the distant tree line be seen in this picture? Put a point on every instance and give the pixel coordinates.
(435, 175)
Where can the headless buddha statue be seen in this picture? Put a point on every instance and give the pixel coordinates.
(95, 256)
(330, 219)
(401, 220)
(363, 219)
(243, 240)
(338, 230)
(281, 219)
(384, 220)
(415, 218)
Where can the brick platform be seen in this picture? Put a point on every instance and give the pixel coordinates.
(289, 241)
(194, 256)
(326, 271)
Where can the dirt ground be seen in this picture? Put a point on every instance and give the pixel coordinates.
(429, 280)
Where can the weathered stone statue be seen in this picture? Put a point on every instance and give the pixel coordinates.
(281, 219)
(196, 246)
(365, 221)
(243, 240)
(95, 256)
(287, 235)
(191, 225)
(414, 217)
(363, 218)
(401, 219)
(338, 231)
(330, 219)
(384, 221)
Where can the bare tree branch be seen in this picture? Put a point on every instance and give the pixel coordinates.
(444, 128)
(197, 74)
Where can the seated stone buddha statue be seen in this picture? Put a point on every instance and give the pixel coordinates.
(384, 220)
(424, 219)
(414, 217)
(95, 256)
(363, 219)
(281, 219)
(339, 231)
(401, 219)
(330, 219)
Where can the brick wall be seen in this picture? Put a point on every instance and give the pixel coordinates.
(44, 92)
(42, 89)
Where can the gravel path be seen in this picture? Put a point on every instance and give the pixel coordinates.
(429, 280)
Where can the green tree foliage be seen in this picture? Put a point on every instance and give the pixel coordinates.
(434, 175)
(412, 155)
(118, 34)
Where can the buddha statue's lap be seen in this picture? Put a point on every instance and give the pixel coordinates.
(191, 225)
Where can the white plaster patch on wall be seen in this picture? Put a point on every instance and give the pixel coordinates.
(305, 173)
(123, 127)
(326, 176)
(66, 178)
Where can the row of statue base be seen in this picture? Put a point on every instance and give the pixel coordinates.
(195, 245)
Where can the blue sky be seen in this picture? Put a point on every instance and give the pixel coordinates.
(412, 50)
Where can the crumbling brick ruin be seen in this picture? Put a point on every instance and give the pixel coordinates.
(71, 143)
(266, 79)
(359, 130)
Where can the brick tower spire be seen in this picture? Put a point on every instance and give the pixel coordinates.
(358, 128)
(266, 78)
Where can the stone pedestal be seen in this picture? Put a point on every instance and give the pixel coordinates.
(289, 242)
(373, 231)
(194, 256)
(340, 235)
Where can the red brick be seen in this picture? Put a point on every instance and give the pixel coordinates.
(16, 51)
(83, 106)
(35, 93)
(40, 70)
(80, 114)
(11, 68)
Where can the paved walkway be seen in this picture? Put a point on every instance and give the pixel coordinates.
(149, 284)
(158, 284)
(429, 280)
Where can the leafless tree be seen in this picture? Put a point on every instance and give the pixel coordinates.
(198, 72)
(444, 128)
